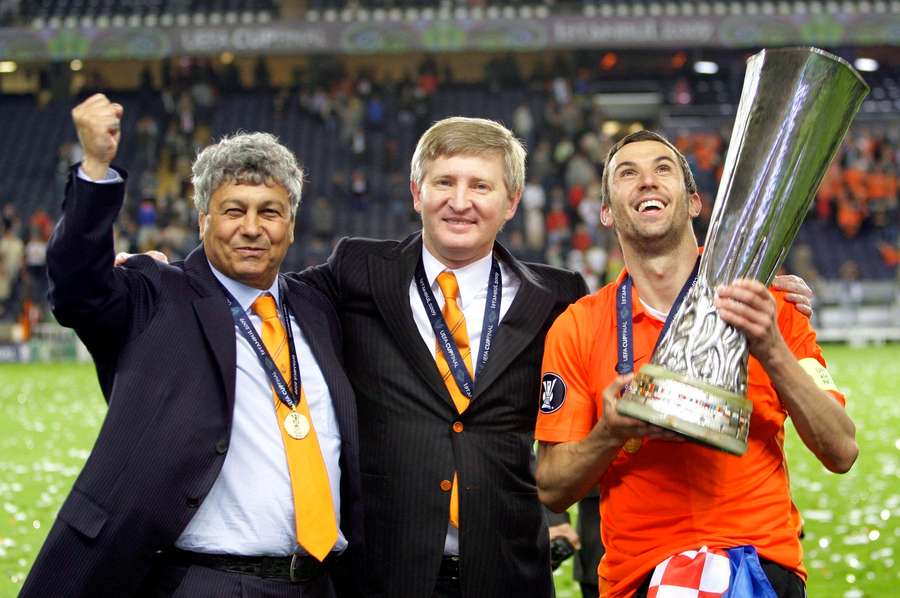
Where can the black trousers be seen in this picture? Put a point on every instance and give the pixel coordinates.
(193, 581)
(785, 583)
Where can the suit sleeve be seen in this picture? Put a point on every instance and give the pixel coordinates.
(106, 305)
(324, 277)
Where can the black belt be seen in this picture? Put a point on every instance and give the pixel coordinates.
(295, 568)
(449, 567)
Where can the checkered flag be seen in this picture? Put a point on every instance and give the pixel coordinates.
(706, 573)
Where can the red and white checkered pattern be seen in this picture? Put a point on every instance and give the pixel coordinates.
(692, 574)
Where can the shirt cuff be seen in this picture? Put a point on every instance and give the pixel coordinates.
(111, 177)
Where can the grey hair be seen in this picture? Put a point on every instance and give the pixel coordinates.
(248, 159)
(463, 136)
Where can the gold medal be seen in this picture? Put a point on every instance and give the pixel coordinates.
(632, 445)
(296, 425)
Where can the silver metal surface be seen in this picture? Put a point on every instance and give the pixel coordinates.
(795, 108)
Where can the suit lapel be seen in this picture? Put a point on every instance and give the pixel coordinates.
(390, 277)
(314, 328)
(524, 319)
(215, 320)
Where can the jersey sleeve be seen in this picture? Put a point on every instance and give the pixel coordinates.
(800, 337)
(566, 409)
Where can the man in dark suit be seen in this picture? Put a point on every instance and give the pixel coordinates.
(451, 507)
(216, 472)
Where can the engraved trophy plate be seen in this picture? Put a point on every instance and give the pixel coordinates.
(795, 108)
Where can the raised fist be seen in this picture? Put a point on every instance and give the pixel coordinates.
(97, 121)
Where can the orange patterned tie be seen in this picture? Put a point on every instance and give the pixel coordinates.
(314, 518)
(456, 322)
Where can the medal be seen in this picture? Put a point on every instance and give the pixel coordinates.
(632, 445)
(296, 425)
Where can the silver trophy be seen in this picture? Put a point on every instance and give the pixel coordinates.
(795, 108)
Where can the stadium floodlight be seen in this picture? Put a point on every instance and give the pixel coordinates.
(767, 8)
(379, 15)
(411, 13)
(165, 21)
(606, 10)
(70, 22)
(263, 17)
(525, 11)
(720, 9)
(687, 9)
(199, 19)
(151, 20)
(849, 7)
(428, 14)
(509, 12)
(706, 67)
(541, 12)
(622, 9)
(655, 9)
(704, 9)
(76, 65)
(8, 66)
(672, 9)
(866, 65)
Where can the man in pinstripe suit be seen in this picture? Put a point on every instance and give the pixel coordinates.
(419, 452)
(188, 491)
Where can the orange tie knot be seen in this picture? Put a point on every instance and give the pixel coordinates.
(265, 307)
(449, 287)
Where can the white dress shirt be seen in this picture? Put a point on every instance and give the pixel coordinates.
(250, 508)
(473, 293)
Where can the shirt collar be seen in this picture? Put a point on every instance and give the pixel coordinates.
(471, 279)
(243, 294)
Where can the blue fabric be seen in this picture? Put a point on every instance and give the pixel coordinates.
(748, 580)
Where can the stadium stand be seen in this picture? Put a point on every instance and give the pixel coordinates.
(355, 130)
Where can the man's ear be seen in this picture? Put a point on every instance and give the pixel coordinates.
(201, 223)
(606, 217)
(416, 195)
(695, 204)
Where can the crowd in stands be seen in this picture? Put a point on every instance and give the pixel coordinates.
(371, 124)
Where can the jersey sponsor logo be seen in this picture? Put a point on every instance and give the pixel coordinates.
(553, 392)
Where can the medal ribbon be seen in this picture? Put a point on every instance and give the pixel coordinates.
(287, 395)
(625, 361)
(442, 332)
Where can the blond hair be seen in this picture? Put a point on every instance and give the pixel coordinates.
(464, 136)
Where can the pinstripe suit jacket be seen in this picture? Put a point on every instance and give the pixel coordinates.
(407, 442)
(163, 342)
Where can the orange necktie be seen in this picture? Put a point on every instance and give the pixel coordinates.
(456, 322)
(314, 518)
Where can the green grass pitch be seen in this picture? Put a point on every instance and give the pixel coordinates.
(50, 414)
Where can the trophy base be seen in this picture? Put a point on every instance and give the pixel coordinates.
(698, 410)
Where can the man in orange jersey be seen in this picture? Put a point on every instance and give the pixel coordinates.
(660, 496)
